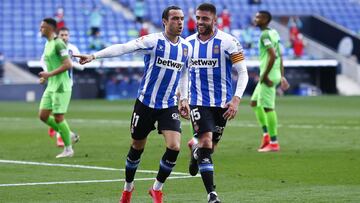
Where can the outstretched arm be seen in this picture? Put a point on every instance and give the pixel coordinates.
(111, 51)
(118, 49)
(76, 64)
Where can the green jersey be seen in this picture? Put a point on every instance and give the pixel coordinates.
(54, 54)
(270, 39)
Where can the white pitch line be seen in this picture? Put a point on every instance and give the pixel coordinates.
(88, 181)
(248, 124)
(80, 166)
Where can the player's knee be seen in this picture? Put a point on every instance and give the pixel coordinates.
(43, 117)
(137, 147)
(138, 144)
(59, 118)
(206, 142)
(174, 146)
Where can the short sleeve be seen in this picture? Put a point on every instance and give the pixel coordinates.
(145, 43)
(265, 40)
(234, 46)
(61, 49)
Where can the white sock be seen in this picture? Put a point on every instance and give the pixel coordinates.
(68, 148)
(157, 185)
(196, 141)
(195, 154)
(208, 196)
(273, 142)
(128, 186)
(265, 134)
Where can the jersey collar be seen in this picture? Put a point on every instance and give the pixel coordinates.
(167, 39)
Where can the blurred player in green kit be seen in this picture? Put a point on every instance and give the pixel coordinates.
(56, 98)
(271, 74)
(64, 34)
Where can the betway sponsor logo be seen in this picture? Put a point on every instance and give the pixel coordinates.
(204, 63)
(169, 63)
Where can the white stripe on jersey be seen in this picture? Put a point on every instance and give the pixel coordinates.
(223, 86)
(165, 61)
(173, 78)
(160, 78)
(161, 61)
(217, 65)
(197, 73)
(146, 77)
(156, 87)
(210, 73)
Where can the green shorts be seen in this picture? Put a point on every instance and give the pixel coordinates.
(58, 102)
(265, 95)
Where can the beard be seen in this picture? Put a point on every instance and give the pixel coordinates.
(207, 29)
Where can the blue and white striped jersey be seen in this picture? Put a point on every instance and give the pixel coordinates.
(164, 62)
(210, 68)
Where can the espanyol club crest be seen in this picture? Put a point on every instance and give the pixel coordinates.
(216, 49)
(185, 51)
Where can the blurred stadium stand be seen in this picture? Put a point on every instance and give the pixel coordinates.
(20, 40)
(344, 12)
(20, 20)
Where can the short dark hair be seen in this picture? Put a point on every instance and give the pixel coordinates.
(207, 7)
(267, 15)
(51, 22)
(165, 14)
(64, 29)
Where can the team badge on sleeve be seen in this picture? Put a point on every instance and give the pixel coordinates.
(266, 42)
(63, 52)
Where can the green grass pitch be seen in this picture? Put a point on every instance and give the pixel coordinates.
(319, 159)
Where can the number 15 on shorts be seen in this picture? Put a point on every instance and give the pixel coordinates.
(195, 114)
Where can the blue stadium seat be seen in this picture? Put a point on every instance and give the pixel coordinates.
(20, 20)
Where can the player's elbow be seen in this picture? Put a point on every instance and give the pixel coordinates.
(68, 64)
(271, 59)
(272, 56)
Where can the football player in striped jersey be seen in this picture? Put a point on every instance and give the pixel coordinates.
(166, 55)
